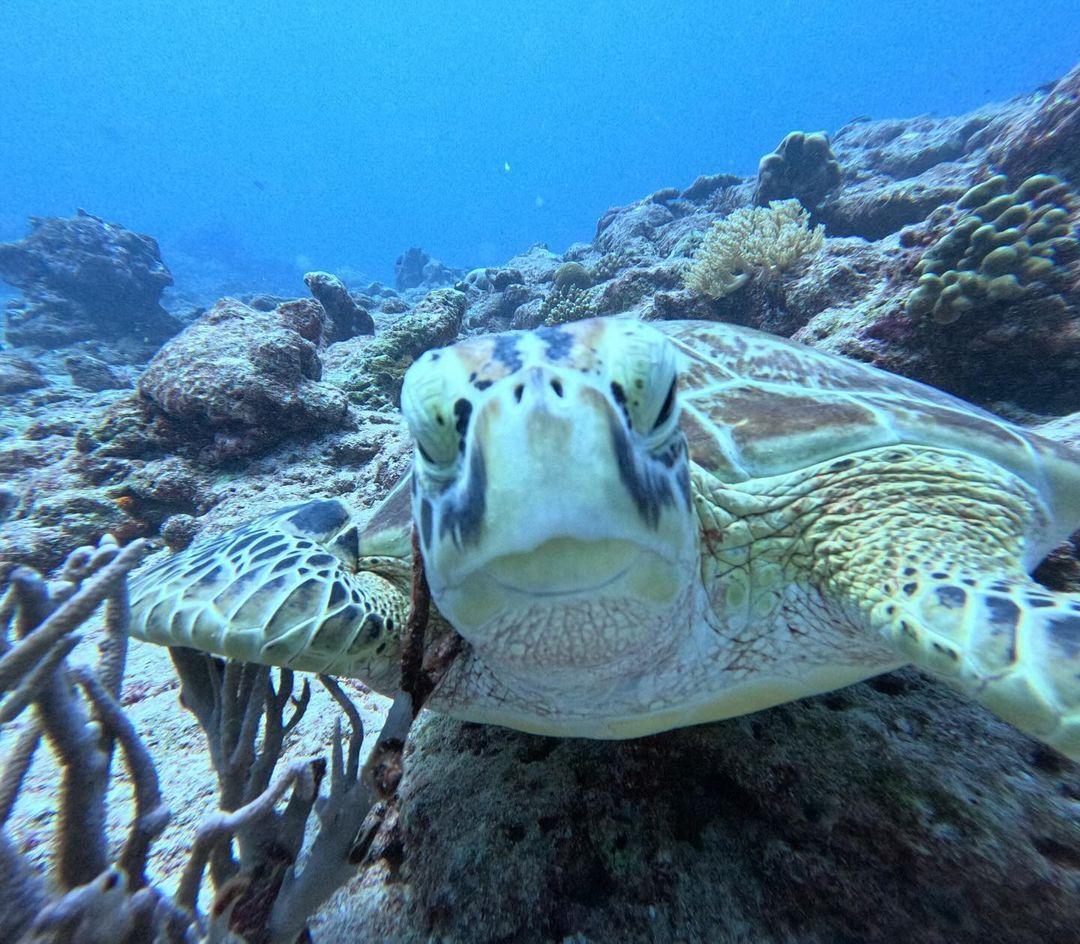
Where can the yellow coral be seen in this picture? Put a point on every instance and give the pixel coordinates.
(762, 241)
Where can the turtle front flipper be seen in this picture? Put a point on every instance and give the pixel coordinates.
(940, 572)
(283, 590)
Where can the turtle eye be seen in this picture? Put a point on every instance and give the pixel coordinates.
(668, 406)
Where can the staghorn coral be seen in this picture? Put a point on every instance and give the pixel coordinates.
(1005, 248)
(265, 888)
(803, 167)
(757, 241)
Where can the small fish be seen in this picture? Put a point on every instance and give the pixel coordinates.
(506, 167)
(259, 184)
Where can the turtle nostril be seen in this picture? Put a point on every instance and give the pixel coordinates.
(518, 391)
(556, 385)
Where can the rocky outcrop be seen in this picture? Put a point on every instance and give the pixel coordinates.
(18, 374)
(888, 811)
(415, 269)
(239, 380)
(346, 318)
(82, 278)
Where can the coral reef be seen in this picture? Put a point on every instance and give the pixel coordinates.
(347, 318)
(802, 167)
(758, 241)
(84, 278)
(243, 379)
(1006, 247)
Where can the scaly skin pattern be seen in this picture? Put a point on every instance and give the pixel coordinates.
(930, 546)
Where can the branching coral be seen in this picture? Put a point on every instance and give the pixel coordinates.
(757, 241)
(1005, 248)
(265, 888)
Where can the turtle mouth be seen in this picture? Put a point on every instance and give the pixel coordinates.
(564, 567)
(566, 591)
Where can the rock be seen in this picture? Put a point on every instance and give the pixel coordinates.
(415, 269)
(1048, 139)
(18, 374)
(371, 370)
(178, 531)
(347, 318)
(90, 373)
(888, 811)
(83, 278)
(245, 379)
(631, 228)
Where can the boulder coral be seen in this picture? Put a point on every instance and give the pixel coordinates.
(802, 167)
(245, 379)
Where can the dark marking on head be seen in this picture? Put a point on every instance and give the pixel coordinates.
(320, 517)
(506, 352)
(1039, 601)
(425, 521)
(842, 464)
(1065, 631)
(348, 543)
(951, 597)
(648, 486)
(558, 342)
(290, 562)
(1003, 611)
(462, 412)
(910, 588)
(482, 385)
(463, 511)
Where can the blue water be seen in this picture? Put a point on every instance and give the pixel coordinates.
(273, 137)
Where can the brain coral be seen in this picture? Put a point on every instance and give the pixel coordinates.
(1007, 247)
(761, 241)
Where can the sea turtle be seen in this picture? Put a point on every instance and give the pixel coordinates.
(637, 527)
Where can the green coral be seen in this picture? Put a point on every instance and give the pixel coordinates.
(753, 241)
(572, 275)
(1005, 248)
(611, 264)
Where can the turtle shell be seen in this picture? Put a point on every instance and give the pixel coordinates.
(755, 405)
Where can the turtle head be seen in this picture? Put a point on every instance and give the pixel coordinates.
(551, 492)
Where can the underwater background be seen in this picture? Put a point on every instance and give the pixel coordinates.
(276, 137)
(228, 230)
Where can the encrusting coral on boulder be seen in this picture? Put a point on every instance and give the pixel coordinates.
(753, 241)
(83, 278)
(802, 167)
(1006, 247)
(370, 370)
